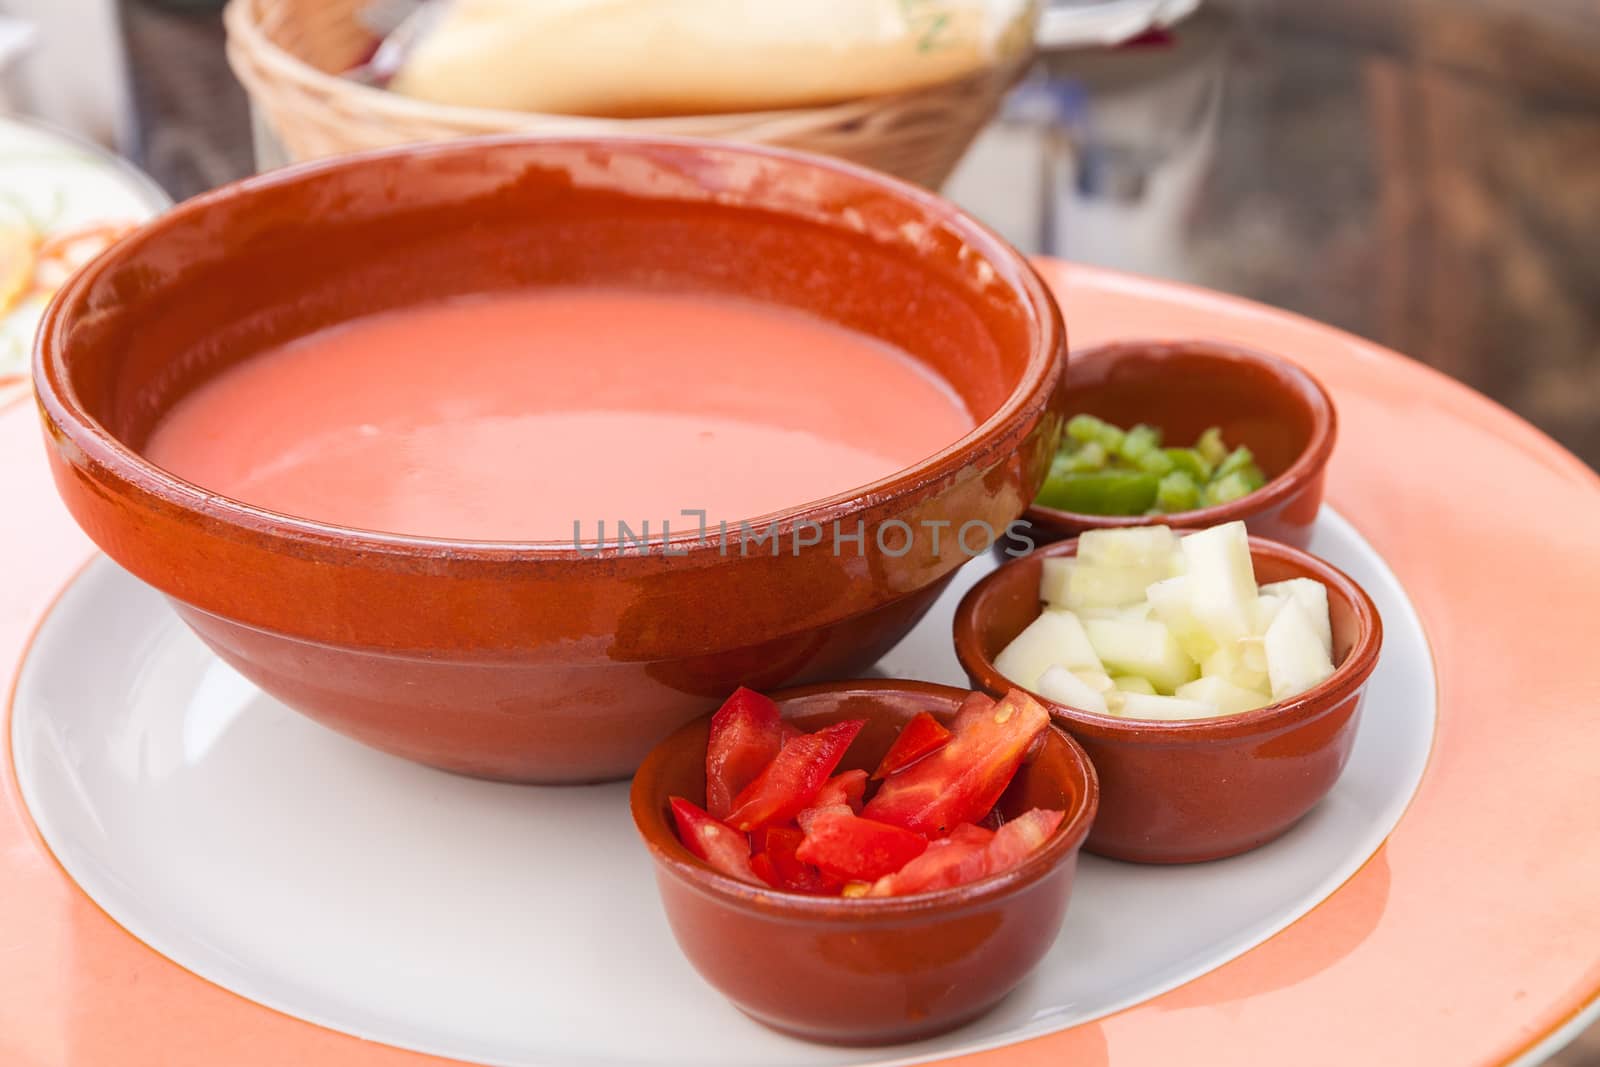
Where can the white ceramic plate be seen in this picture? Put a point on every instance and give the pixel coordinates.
(517, 925)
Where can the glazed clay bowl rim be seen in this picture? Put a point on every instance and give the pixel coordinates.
(997, 434)
(1290, 376)
(670, 854)
(1346, 680)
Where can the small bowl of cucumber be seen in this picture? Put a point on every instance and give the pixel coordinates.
(1215, 679)
(1189, 434)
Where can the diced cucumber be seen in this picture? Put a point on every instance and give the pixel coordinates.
(1227, 663)
(1295, 657)
(1169, 604)
(1147, 649)
(1099, 681)
(1227, 698)
(1222, 581)
(1105, 587)
(1266, 610)
(1140, 706)
(1144, 624)
(1312, 595)
(1148, 547)
(1115, 566)
(1136, 612)
(1055, 574)
(1055, 638)
(1064, 687)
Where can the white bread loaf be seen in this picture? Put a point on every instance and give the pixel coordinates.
(676, 57)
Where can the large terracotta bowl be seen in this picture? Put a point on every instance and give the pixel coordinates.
(1182, 387)
(867, 970)
(535, 661)
(1182, 792)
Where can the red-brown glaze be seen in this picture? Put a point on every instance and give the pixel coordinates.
(867, 971)
(1181, 792)
(1282, 413)
(535, 662)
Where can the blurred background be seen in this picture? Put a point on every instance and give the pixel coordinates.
(1423, 173)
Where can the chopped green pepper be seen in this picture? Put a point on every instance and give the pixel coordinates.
(1104, 470)
(1210, 446)
(1191, 462)
(1228, 488)
(1101, 492)
(1140, 440)
(1178, 491)
(1087, 429)
(1239, 459)
(1155, 461)
(1091, 457)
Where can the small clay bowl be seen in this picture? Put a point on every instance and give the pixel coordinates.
(1270, 405)
(866, 971)
(1181, 792)
(544, 661)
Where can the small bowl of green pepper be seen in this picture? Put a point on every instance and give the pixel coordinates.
(1195, 432)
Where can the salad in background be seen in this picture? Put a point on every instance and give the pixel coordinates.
(62, 202)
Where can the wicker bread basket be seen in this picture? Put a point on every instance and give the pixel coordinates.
(286, 53)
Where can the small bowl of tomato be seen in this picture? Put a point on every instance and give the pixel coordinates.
(866, 862)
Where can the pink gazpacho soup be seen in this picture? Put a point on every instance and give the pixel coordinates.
(533, 415)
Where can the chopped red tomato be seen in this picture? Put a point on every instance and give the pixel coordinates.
(855, 849)
(746, 732)
(920, 737)
(778, 842)
(791, 781)
(847, 787)
(963, 780)
(759, 840)
(949, 861)
(1017, 839)
(726, 850)
(805, 817)
(778, 864)
(761, 864)
(972, 706)
(795, 825)
(968, 834)
(970, 853)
